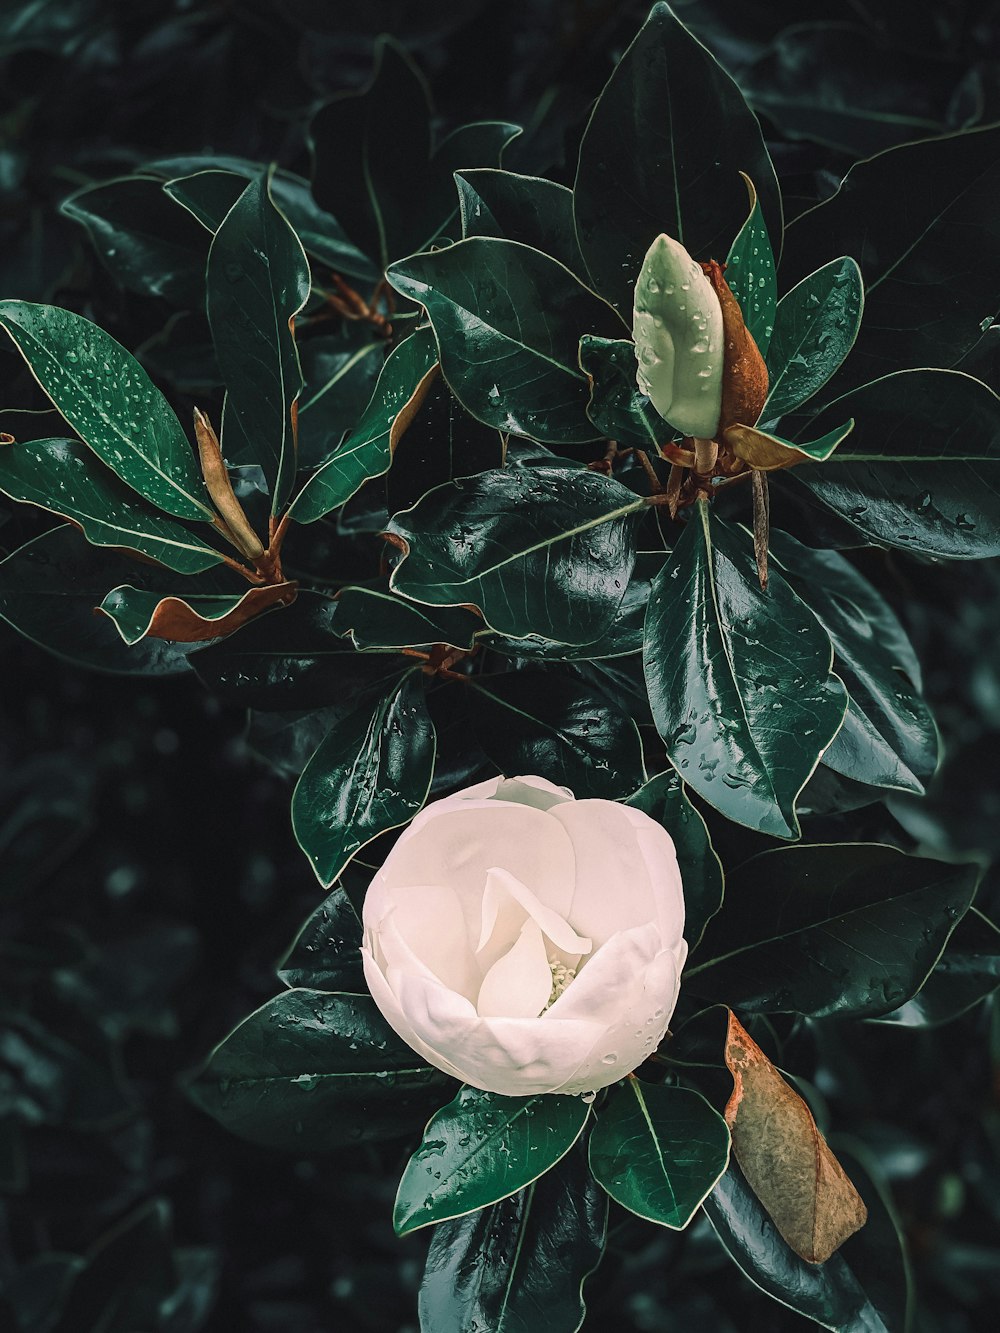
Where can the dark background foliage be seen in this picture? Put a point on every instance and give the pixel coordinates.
(149, 880)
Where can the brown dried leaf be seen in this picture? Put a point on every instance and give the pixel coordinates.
(762, 451)
(784, 1157)
(744, 374)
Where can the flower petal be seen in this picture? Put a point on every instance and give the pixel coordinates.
(391, 1010)
(429, 918)
(660, 855)
(506, 904)
(537, 792)
(518, 984)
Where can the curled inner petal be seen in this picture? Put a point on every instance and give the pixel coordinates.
(518, 984)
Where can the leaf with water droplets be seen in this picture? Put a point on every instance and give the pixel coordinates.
(750, 272)
(311, 1071)
(528, 209)
(370, 774)
(740, 680)
(658, 1150)
(326, 953)
(479, 1149)
(111, 403)
(139, 613)
(616, 407)
(850, 930)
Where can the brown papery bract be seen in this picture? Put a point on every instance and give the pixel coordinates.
(744, 374)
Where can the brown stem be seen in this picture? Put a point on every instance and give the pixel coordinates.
(673, 491)
(650, 472)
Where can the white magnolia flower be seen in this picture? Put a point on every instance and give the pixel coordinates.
(677, 327)
(527, 942)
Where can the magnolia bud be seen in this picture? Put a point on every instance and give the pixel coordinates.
(677, 326)
(744, 380)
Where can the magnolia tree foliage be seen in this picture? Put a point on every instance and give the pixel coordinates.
(469, 491)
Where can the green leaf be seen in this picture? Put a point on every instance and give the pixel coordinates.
(326, 953)
(768, 452)
(312, 1071)
(616, 407)
(921, 221)
(479, 1149)
(62, 477)
(48, 591)
(528, 209)
(750, 273)
(208, 195)
(371, 773)
(829, 1294)
(435, 211)
(539, 550)
(921, 470)
(340, 378)
(740, 680)
(191, 618)
(508, 321)
(519, 1265)
(377, 620)
(851, 930)
(664, 799)
(888, 738)
(141, 239)
(967, 972)
(112, 404)
(658, 1150)
(543, 722)
(815, 326)
(286, 741)
(367, 451)
(257, 281)
(662, 153)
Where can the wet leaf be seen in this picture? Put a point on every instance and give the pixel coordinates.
(139, 613)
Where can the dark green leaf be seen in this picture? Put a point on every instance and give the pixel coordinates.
(312, 1071)
(435, 212)
(371, 773)
(48, 591)
(141, 238)
(751, 276)
(768, 452)
(878, 1253)
(921, 221)
(851, 929)
(208, 195)
(519, 1265)
(340, 377)
(617, 408)
(287, 741)
(542, 722)
(376, 619)
(967, 972)
(63, 477)
(888, 738)
(326, 953)
(528, 209)
(47, 1079)
(367, 451)
(815, 326)
(479, 1149)
(664, 799)
(187, 618)
(540, 550)
(662, 153)
(110, 401)
(921, 470)
(37, 1291)
(257, 282)
(828, 1294)
(740, 681)
(658, 1150)
(508, 322)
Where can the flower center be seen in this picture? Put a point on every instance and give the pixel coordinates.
(561, 977)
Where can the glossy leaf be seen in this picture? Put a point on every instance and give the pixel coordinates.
(340, 377)
(508, 321)
(326, 953)
(479, 1149)
(437, 211)
(257, 281)
(138, 612)
(112, 404)
(367, 451)
(921, 221)
(740, 680)
(967, 972)
(312, 1071)
(616, 407)
(658, 1150)
(286, 741)
(750, 273)
(850, 929)
(520, 1264)
(664, 799)
(48, 591)
(544, 722)
(529, 209)
(921, 470)
(541, 550)
(829, 1294)
(769, 453)
(371, 773)
(141, 239)
(815, 327)
(663, 152)
(888, 738)
(62, 477)
(376, 619)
